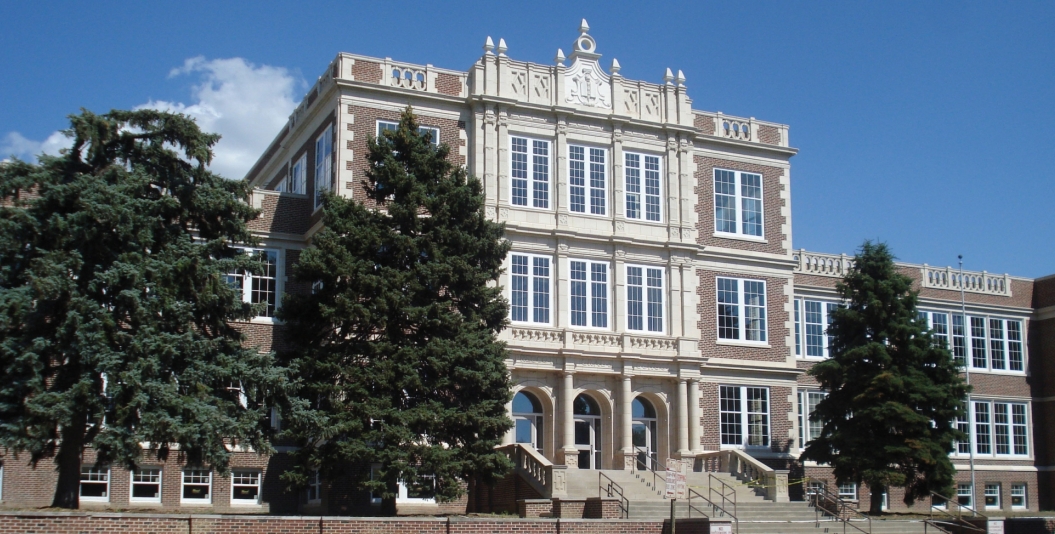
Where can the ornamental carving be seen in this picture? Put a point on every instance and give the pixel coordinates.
(587, 85)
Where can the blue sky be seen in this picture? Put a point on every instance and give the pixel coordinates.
(922, 124)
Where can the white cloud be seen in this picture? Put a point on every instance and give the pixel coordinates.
(246, 104)
(16, 145)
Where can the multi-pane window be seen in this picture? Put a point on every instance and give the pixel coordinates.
(644, 299)
(742, 309)
(812, 319)
(196, 486)
(997, 428)
(992, 496)
(1018, 496)
(744, 416)
(963, 424)
(260, 287)
(642, 174)
(589, 294)
(848, 491)
(737, 203)
(587, 179)
(314, 487)
(245, 487)
(993, 343)
(530, 283)
(426, 131)
(296, 181)
(323, 165)
(530, 170)
(809, 430)
(964, 495)
(95, 484)
(146, 485)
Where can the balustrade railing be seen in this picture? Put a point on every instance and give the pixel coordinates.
(971, 281)
(773, 482)
(820, 264)
(547, 479)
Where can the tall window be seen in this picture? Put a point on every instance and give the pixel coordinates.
(589, 294)
(642, 174)
(744, 414)
(196, 486)
(146, 485)
(296, 183)
(426, 131)
(644, 299)
(95, 484)
(997, 429)
(809, 430)
(260, 287)
(813, 322)
(314, 491)
(530, 282)
(587, 179)
(323, 165)
(742, 309)
(530, 170)
(528, 419)
(963, 424)
(995, 344)
(737, 203)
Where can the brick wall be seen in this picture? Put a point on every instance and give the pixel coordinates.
(704, 124)
(283, 213)
(771, 206)
(775, 318)
(448, 84)
(769, 135)
(366, 71)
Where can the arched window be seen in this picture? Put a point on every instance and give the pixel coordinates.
(587, 431)
(527, 416)
(644, 430)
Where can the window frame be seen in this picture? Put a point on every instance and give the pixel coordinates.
(986, 494)
(986, 342)
(402, 497)
(741, 307)
(258, 485)
(435, 131)
(965, 490)
(589, 297)
(90, 471)
(1025, 495)
(738, 205)
(647, 305)
(588, 189)
(991, 427)
(291, 181)
(531, 289)
(314, 484)
(183, 499)
(132, 483)
(642, 186)
(804, 413)
(323, 165)
(532, 183)
(744, 419)
(248, 278)
(802, 334)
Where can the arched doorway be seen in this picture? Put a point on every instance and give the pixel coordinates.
(527, 418)
(645, 432)
(587, 432)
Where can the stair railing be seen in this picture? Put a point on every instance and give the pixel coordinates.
(726, 493)
(658, 480)
(955, 519)
(821, 498)
(613, 489)
(547, 479)
(716, 509)
(748, 469)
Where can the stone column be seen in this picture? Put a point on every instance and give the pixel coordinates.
(694, 417)
(683, 419)
(571, 454)
(626, 398)
(510, 436)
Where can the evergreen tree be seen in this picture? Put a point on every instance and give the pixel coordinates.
(395, 348)
(893, 390)
(114, 304)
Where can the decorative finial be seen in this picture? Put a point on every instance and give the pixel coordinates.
(681, 78)
(615, 66)
(502, 47)
(584, 27)
(560, 58)
(489, 46)
(668, 77)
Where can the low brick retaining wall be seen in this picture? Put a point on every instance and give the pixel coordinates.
(132, 523)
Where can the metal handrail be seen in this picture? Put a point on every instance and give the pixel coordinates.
(841, 509)
(613, 487)
(725, 491)
(957, 518)
(656, 477)
(714, 508)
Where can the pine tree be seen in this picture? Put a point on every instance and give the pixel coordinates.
(893, 390)
(395, 348)
(114, 305)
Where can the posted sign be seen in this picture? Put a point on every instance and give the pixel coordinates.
(677, 487)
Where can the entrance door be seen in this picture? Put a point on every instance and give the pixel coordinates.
(643, 430)
(587, 432)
